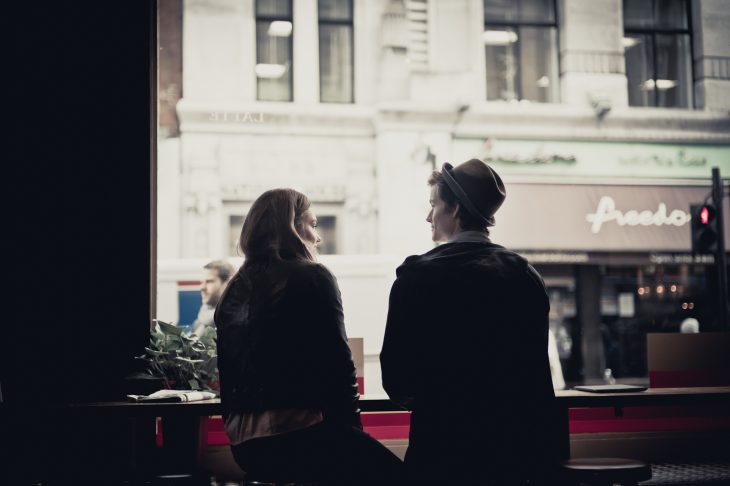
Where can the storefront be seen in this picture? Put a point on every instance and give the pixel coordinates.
(617, 262)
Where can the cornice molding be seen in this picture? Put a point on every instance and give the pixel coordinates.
(555, 121)
(275, 118)
(509, 120)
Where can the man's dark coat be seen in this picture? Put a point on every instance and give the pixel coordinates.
(466, 350)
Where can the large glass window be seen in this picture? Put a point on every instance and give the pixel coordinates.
(274, 36)
(633, 300)
(335, 51)
(520, 40)
(657, 49)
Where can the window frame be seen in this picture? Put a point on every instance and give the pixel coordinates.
(336, 22)
(271, 18)
(238, 207)
(516, 25)
(653, 32)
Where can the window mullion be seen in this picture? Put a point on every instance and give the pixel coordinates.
(655, 68)
(518, 55)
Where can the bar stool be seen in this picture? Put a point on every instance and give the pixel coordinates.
(606, 471)
(179, 480)
(257, 482)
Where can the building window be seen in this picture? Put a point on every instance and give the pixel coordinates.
(235, 224)
(274, 34)
(335, 51)
(521, 43)
(327, 229)
(657, 49)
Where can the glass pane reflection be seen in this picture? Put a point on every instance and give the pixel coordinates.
(673, 83)
(335, 63)
(273, 62)
(639, 68)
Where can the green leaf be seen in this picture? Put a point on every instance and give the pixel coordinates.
(198, 346)
(181, 358)
(169, 328)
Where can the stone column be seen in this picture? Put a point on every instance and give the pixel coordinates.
(402, 192)
(711, 42)
(393, 70)
(219, 50)
(202, 222)
(456, 54)
(306, 52)
(366, 24)
(592, 67)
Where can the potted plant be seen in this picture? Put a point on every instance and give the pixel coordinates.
(182, 361)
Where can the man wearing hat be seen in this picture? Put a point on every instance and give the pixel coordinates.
(465, 345)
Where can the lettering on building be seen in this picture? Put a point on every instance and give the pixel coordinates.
(236, 117)
(681, 160)
(606, 212)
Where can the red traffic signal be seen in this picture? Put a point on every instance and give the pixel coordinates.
(704, 228)
(704, 215)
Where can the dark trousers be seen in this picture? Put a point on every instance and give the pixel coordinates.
(331, 454)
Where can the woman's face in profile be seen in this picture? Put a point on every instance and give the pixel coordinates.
(307, 228)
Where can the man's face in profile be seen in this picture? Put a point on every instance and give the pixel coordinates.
(212, 287)
(441, 217)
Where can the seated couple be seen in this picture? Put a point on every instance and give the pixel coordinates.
(465, 350)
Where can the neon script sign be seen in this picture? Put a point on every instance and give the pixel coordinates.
(607, 212)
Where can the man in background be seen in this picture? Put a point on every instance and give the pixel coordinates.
(216, 275)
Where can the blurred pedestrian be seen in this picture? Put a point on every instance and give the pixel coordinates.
(689, 326)
(216, 275)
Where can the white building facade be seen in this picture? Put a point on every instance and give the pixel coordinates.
(410, 80)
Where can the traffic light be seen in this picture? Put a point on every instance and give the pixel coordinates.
(704, 228)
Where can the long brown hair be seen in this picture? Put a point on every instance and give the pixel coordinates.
(269, 231)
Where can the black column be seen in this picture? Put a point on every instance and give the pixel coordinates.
(588, 315)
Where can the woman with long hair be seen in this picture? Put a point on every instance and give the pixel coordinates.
(286, 372)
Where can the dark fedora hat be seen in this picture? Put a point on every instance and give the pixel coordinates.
(477, 187)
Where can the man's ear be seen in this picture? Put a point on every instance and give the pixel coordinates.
(455, 215)
(455, 211)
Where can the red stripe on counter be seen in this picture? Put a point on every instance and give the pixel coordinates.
(396, 425)
(647, 419)
(689, 378)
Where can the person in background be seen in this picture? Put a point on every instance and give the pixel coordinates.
(689, 326)
(287, 378)
(216, 276)
(466, 345)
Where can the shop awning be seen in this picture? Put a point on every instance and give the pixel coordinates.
(598, 218)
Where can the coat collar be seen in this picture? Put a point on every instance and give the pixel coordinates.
(470, 237)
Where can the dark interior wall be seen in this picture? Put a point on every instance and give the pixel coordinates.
(78, 304)
(81, 202)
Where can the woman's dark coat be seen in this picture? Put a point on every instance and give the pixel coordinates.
(282, 342)
(466, 350)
